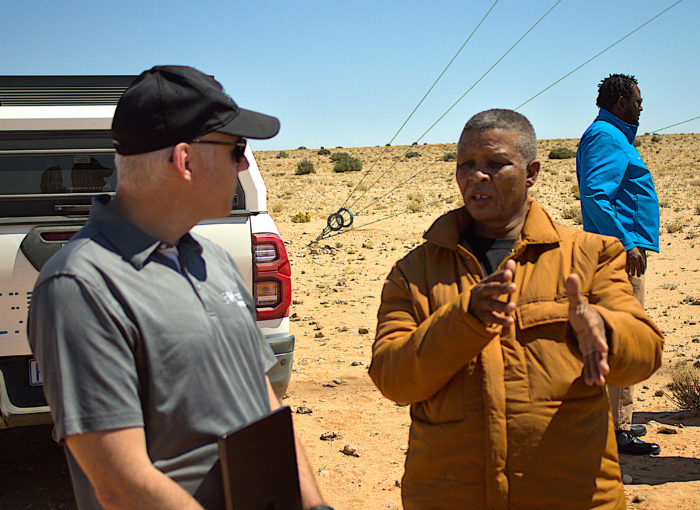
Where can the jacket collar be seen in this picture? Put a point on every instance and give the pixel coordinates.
(628, 130)
(131, 242)
(538, 229)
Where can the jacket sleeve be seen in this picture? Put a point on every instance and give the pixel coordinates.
(603, 165)
(415, 352)
(635, 342)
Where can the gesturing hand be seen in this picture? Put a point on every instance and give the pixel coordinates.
(484, 303)
(590, 333)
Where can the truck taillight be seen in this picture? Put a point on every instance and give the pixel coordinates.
(272, 288)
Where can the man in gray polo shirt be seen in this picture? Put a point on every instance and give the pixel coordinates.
(145, 333)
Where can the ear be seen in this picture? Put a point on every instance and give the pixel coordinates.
(180, 159)
(533, 170)
(621, 104)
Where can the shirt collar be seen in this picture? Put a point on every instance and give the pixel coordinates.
(130, 241)
(629, 130)
(538, 229)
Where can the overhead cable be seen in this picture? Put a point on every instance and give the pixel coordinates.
(599, 54)
(416, 108)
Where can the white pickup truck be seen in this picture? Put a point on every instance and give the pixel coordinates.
(56, 152)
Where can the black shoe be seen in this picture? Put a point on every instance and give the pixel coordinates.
(627, 443)
(638, 430)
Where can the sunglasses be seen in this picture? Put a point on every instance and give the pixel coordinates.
(238, 147)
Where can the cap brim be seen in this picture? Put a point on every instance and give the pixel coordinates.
(249, 124)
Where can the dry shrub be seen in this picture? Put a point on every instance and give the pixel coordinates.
(572, 213)
(576, 192)
(561, 153)
(416, 197)
(305, 167)
(414, 206)
(277, 207)
(674, 226)
(684, 387)
(301, 217)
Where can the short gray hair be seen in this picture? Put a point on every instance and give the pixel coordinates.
(142, 169)
(506, 120)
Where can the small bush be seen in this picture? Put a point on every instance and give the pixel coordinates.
(697, 209)
(282, 154)
(337, 156)
(301, 217)
(656, 138)
(561, 153)
(323, 152)
(414, 206)
(388, 145)
(305, 167)
(572, 213)
(302, 148)
(673, 227)
(685, 388)
(348, 165)
(637, 142)
(412, 154)
(576, 192)
(277, 207)
(450, 156)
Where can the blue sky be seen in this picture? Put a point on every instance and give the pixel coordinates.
(350, 73)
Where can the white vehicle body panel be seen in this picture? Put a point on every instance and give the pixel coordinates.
(18, 275)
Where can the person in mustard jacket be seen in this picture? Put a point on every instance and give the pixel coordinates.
(501, 331)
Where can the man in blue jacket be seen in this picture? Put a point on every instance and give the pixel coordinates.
(618, 199)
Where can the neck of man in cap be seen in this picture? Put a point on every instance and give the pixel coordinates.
(167, 205)
(156, 215)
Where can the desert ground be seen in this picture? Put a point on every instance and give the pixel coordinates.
(337, 282)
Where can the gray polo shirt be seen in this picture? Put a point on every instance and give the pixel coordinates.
(125, 338)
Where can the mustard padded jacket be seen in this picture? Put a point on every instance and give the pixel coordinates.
(501, 417)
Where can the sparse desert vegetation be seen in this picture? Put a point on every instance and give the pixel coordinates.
(337, 284)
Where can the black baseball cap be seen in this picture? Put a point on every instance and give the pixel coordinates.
(168, 105)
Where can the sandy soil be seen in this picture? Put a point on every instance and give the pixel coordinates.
(337, 286)
(338, 283)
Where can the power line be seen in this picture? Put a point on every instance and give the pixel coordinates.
(456, 102)
(490, 68)
(354, 229)
(676, 124)
(599, 54)
(414, 110)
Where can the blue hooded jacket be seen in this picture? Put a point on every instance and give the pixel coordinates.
(618, 197)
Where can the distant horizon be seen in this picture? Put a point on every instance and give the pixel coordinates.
(358, 73)
(436, 143)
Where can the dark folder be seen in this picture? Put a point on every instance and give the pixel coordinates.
(259, 465)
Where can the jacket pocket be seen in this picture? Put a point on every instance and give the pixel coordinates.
(555, 373)
(459, 398)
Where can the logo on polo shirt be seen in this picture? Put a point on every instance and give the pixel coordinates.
(231, 297)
